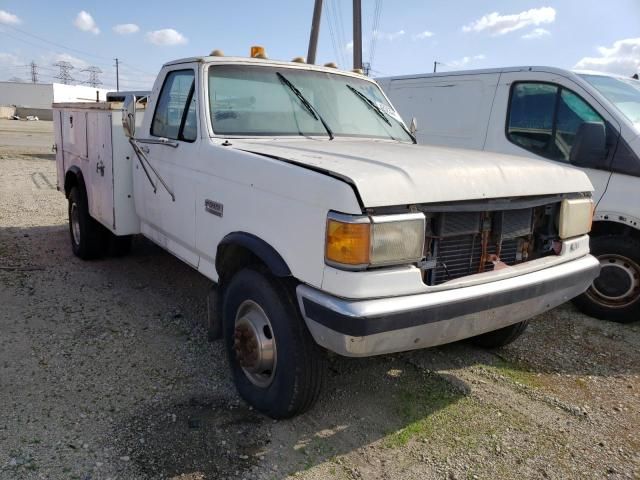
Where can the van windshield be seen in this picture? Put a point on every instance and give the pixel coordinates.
(622, 92)
(248, 101)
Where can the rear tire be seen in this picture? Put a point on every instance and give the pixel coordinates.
(277, 366)
(87, 235)
(501, 337)
(615, 294)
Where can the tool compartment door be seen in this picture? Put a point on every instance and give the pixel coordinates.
(100, 168)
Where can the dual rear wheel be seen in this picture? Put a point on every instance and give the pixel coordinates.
(89, 239)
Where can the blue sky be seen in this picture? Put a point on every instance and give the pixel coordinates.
(410, 34)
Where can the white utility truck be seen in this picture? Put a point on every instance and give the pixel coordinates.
(298, 190)
(586, 119)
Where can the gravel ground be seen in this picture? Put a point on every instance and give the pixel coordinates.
(105, 372)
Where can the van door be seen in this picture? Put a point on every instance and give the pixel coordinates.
(437, 104)
(172, 146)
(538, 114)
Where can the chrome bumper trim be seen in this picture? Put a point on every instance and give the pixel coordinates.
(385, 325)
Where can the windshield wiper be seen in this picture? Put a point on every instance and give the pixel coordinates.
(314, 113)
(379, 111)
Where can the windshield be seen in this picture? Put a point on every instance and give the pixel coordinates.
(623, 93)
(255, 101)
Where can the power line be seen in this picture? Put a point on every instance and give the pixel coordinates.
(33, 70)
(339, 32)
(375, 25)
(93, 72)
(327, 17)
(81, 52)
(64, 75)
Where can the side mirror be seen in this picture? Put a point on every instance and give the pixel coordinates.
(129, 115)
(413, 128)
(589, 146)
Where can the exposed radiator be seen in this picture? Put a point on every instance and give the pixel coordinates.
(456, 242)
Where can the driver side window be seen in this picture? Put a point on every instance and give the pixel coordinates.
(544, 119)
(175, 116)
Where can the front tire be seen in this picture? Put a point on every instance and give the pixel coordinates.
(501, 337)
(277, 366)
(615, 294)
(87, 235)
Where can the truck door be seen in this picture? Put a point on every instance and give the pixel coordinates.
(538, 114)
(171, 145)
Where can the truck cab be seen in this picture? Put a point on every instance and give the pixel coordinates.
(301, 194)
(588, 120)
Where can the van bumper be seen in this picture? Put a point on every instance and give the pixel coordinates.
(360, 328)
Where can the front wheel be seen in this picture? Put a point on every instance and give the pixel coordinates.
(615, 294)
(276, 365)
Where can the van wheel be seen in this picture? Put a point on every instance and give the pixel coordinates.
(87, 235)
(277, 367)
(501, 337)
(615, 294)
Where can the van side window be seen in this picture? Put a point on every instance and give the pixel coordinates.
(175, 115)
(544, 119)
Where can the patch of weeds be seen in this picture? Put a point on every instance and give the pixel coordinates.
(425, 406)
(517, 372)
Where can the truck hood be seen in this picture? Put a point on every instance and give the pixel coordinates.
(390, 173)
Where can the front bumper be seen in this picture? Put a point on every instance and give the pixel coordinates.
(360, 328)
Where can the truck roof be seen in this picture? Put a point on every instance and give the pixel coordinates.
(263, 61)
(531, 68)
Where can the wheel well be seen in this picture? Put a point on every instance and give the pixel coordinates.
(73, 178)
(233, 258)
(239, 250)
(613, 228)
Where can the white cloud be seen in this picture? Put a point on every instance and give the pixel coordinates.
(388, 36)
(423, 35)
(78, 63)
(85, 22)
(497, 24)
(536, 33)
(166, 37)
(349, 47)
(126, 28)
(9, 18)
(9, 60)
(622, 58)
(464, 61)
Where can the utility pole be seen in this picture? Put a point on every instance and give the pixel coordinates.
(64, 75)
(435, 65)
(34, 72)
(117, 77)
(315, 31)
(357, 34)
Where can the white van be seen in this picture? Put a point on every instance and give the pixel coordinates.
(586, 119)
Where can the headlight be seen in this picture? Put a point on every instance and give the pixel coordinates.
(576, 216)
(357, 242)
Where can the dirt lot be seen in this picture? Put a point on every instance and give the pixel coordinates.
(105, 372)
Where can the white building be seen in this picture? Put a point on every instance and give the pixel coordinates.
(36, 98)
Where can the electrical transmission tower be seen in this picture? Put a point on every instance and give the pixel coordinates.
(93, 81)
(33, 71)
(64, 75)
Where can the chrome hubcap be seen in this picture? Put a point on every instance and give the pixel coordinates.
(75, 224)
(254, 345)
(619, 282)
